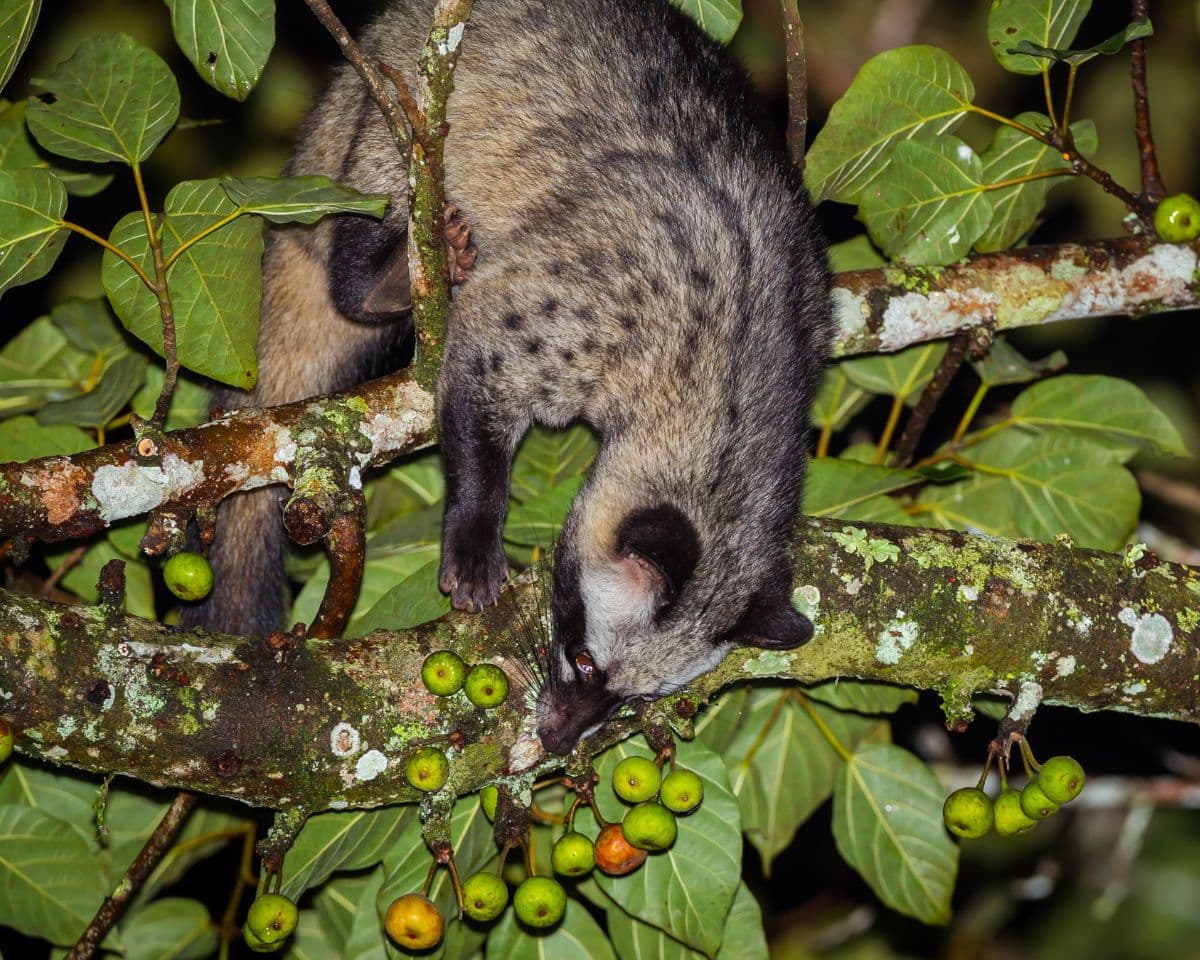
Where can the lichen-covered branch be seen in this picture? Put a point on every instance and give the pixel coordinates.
(326, 724)
(59, 498)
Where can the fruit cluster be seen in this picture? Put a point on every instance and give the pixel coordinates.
(971, 813)
(444, 673)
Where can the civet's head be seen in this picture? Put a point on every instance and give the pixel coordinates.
(642, 605)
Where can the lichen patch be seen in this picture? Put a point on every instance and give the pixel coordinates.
(895, 639)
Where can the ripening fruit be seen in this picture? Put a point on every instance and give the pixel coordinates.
(1010, 818)
(427, 769)
(6, 740)
(682, 791)
(968, 813)
(188, 576)
(650, 826)
(272, 918)
(540, 901)
(486, 685)
(615, 855)
(1061, 779)
(488, 798)
(1035, 803)
(573, 855)
(443, 673)
(636, 779)
(414, 922)
(256, 945)
(1177, 218)
(485, 896)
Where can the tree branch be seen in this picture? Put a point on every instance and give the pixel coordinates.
(1152, 185)
(326, 724)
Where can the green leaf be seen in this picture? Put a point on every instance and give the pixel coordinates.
(835, 486)
(887, 822)
(32, 203)
(929, 206)
(1050, 22)
(862, 696)
(548, 457)
(407, 489)
(879, 510)
(1004, 364)
(81, 578)
(718, 18)
(537, 521)
(301, 199)
(17, 20)
(17, 151)
(23, 438)
(227, 41)
(119, 382)
(1038, 486)
(902, 374)
(174, 928)
(414, 600)
(349, 840)
(1136, 30)
(204, 822)
(837, 400)
(190, 402)
(216, 284)
(39, 365)
(310, 941)
(89, 325)
(857, 253)
(50, 882)
(898, 94)
(1099, 408)
(744, 938)
(578, 935)
(113, 100)
(65, 795)
(782, 768)
(687, 890)
(346, 907)
(1013, 154)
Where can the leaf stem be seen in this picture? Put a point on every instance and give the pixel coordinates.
(1066, 117)
(111, 248)
(1029, 178)
(823, 441)
(1049, 96)
(193, 240)
(969, 414)
(890, 428)
(821, 725)
(1008, 122)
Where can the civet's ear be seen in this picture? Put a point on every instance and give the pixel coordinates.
(368, 270)
(772, 622)
(657, 551)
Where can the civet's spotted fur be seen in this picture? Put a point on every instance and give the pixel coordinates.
(647, 262)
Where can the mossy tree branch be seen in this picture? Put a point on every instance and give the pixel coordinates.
(319, 724)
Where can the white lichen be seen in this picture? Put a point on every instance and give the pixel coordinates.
(1026, 702)
(967, 594)
(344, 740)
(1151, 638)
(370, 765)
(895, 639)
(1133, 689)
(1064, 666)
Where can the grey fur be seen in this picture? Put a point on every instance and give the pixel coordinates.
(648, 263)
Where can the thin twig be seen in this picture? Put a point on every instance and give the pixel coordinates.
(346, 545)
(1152, 185)
(166, 310)
(366, 70)
(797, 81)
(60, 571)
(143, 864)
(918, 420)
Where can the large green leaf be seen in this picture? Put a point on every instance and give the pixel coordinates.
(205, 833)
(887, 822)
(1097, 407)
(173, 928)
(929, 206)
(548, 457)
(17, 19)
(32, 203)
(40, 365)
(686, 890)
(310, 941)
(349, 840)
(857, 253)
(837, 400)
(113, 100)
(744, 938)
(227, 41)
(1013, 154)
(1051, 23)
(718, 18)
(95, 408)
(781, 766)
(190, 402)
(1039, 486)
(835, 486)
(89, 325)
(902, 374)
(896, 95)
(412, 601)
(862, 696)
(83, 574)
(346, 907)
(537, 521)
(1135, 30)
(577, 936)
(17, 151)
(301, 199)
(65, 795)
(50, 882)
(216, 284)
(1004, 364)
(23, 438)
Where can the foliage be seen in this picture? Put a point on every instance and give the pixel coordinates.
(1053, 461)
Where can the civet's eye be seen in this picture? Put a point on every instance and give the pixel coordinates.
(585, 664)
